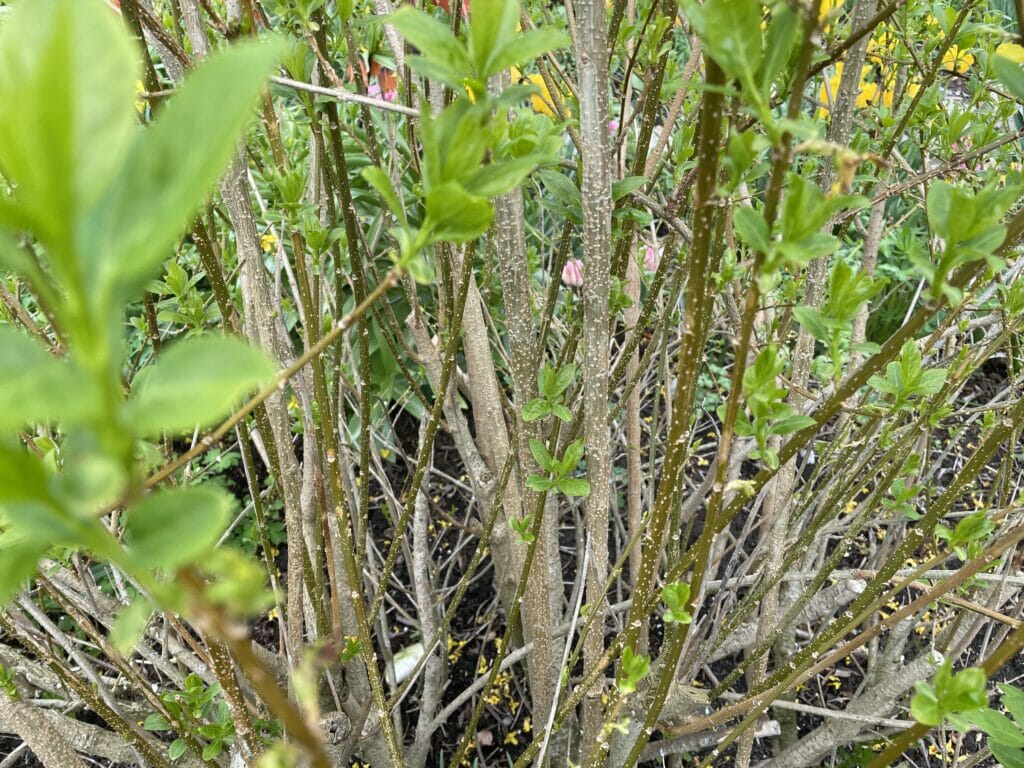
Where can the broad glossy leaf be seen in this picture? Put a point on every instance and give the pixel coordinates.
(196, 382)
(174, 163)
(169, 528)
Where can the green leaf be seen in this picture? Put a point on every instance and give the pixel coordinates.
(751, 228)
(676, 597)
(931, 381)
(195, 383)
(539, 483)
(37, 387)
(731, 33)
(31, 509)
(571, 457)
(564, 378)
(492, 27)
(791, 424)
(498, 178)
(1013, 700)
(524, 47)
(444, 57)
(381, 182)
(212, 749)
(1008, 757)
(169, 528)
(18, 560)
(541, 454)
(815, 323)
(998, 727)
(632, 669)
(940, 205)
(574, 486)
(128, 627)
(177, 749)
(925, 705)
(175, 162)
(536, 409)
(561, 412)
(564, 191)
(626, 185)
(456, 216)
(782, 34)
(963, 691)
(156, 722)
(67, 75)
(1010, 74)
(239, 582)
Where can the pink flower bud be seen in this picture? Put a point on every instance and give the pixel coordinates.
(613, 126)
(652, 259)
(572, 273)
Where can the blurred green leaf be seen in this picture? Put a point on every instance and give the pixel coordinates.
(169, 528)
(38, 387)
(175, 162)
(67, 74)
(196, 382)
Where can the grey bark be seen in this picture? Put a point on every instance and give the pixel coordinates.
(592, 59)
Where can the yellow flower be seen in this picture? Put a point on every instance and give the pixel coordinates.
(541, 102)
(1011, 51)
(956, 60)
(267, 241)
(828, 11)
(140, 104)
(868, 94)
(881, 46)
